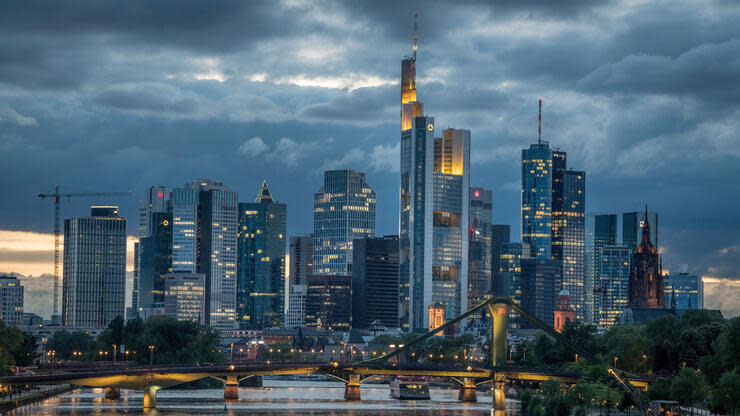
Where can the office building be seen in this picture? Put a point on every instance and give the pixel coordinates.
(601, 230)
(537, 199)
(217, 222)
(632, 223)
(296, 315)
(157, 201)
(683, 289)
(479, 253)
(155, 261)
(612, 286)
(184, 297)
(500, 234)
(301, 259)
(510, 275)
(538, 281)
(185, 228)
(344, 209)
(94, 284)
(646, 277)
(329, 302)
(261, 262)
(375, 289)
(568, 219)
(11, 301)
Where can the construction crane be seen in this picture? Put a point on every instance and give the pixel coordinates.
(57, 195)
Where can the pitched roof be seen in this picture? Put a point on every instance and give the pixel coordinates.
(264, 195)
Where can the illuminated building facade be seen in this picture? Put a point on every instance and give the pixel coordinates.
(612, 286)
(261, 262)
(646, 277)
(296, 315)
(563, 311)
(510, 274)
(301, 258)
(329, 302)
(537, 199)
(217, 250)
(11, 301)
(436, 317)
(184, 297)
(479, 254)
(601, 230)
(375, 282)
(94, 284)
(184, 229)
(344, 209)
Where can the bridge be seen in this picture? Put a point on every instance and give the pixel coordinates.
(150, 379)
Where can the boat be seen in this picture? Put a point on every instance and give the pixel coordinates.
(410, 388)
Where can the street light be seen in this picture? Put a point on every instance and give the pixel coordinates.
(615, 362)
(644, 357)
(151, 356)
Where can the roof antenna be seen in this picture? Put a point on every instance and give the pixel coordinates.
(416, 15)
(539, 126)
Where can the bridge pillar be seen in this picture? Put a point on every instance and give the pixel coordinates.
(499, 319)
(150, 398)
(467, 391)
(231, 389)
(113, 393)
(498, 395)
(352, 389)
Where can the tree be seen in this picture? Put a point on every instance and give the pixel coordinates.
(726, 393)
(117, 330)
(64, 343)
(689, 387)
(16, 347)
(660, 389)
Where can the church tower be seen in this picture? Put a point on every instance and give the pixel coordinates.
(646, 279)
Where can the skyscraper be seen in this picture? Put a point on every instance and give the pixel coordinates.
(537, 199)
(646, 277)
(261, 262)
(11, 300)
(632, 223)
(479, 265)
(601, 230)
(539, 278)
(217, 223)
(184, 297)
(329, 302)
(185, 228)
(612, 286)
(157, 201)
(155, 259)
(500, 234)
(297, 298)
(375, 282)
(510, 276)
(344, 209)
(93, 290)
(301, 258)
(685, 288)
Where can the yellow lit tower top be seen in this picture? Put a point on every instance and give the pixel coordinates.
(410, 107)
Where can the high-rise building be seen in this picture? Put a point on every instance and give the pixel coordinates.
(185, 228)
(11, 300)
(510, 275)
(184, 297)
(646, 277)
(344, 209)
(261, 262)
(479, 253)
(500, 234)
(568, 220)
(157, 201)
(683, 289)
(155, 261)
(375, 282)
(296, 315)
(601, 230)
(537, 167)
(539, 277)
(612, 286)
(329, 302)
(632, 223)
(217, 224)
(301, 259)
(94, 284)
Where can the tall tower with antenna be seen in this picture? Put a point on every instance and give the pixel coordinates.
(410, 107)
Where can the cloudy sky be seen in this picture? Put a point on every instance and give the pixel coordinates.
(113, 96)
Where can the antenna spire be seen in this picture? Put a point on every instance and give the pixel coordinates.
(539, 126)
(416, 16)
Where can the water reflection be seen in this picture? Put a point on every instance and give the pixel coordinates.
(275, 398)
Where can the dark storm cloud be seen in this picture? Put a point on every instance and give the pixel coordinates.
(103, 95)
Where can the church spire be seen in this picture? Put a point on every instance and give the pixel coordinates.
(646, 228)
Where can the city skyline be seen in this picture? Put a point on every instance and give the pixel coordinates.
(693, 221)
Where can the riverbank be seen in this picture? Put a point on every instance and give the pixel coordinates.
(33, 397)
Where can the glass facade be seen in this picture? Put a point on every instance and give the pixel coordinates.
(601, 230)
(94, 283)
(184, 297)
(686, 288)
(538, 283)
(344, 209)
(328, 302)
(568, 228)
(155, 260)
(184, 229)
(11, 301)
(511, 256)
(612, 290)
(500, 234)
(479, 266)
(375, 282)
(261, 262)
(537, 184)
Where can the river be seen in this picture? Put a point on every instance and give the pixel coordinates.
(276, 397)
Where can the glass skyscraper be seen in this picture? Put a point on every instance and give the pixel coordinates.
(344, 209)
(261, 262)
(687, 289)
(155, 261)
(612, 287)
(375, 282)
(537, 199)
(601, 230)
(479, 267)
(94, 284)
(510, 275)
